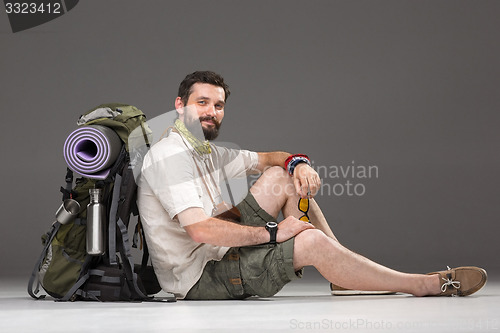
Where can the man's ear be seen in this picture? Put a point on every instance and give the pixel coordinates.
(179, 106)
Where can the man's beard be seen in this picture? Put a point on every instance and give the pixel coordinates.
(210, 133)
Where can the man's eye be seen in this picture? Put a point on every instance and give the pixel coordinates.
(219, 107)
(202, 102)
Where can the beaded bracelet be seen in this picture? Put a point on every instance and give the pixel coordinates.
(293, 160)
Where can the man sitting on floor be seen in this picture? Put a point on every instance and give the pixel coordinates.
(203, 249)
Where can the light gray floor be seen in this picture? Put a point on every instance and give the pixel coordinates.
(302, 306)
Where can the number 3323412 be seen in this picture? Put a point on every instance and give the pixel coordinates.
(32, 8)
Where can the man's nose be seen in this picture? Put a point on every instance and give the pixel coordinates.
(211, 111)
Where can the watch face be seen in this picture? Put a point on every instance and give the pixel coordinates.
(272, 224)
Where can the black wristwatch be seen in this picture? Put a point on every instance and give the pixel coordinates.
(272, 227)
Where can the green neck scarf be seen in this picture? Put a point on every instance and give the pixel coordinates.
(202, 147)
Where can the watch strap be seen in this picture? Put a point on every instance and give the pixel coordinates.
(273, 231)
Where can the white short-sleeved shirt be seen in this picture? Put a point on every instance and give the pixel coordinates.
(170, 183)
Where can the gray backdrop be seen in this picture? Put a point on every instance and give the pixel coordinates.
(410, 88)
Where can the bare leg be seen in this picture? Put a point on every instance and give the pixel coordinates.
(274, 192)
(343, 267)
(319, 220)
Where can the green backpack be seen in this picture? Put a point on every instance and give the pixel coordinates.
(64, 269)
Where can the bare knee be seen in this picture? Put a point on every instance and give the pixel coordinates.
(277, 173)
(274, 183)
(309, 246)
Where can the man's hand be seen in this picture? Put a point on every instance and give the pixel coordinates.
(290, 227)
(306, 180)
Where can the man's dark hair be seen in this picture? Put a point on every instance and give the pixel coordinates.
(201, 77)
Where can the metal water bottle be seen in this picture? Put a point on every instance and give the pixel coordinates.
(96, 217)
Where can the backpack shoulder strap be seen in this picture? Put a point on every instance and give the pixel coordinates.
(115, 197)
(128, 264)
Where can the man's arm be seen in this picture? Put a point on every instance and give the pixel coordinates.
(204, 229)
(305, 178)
(270, 159)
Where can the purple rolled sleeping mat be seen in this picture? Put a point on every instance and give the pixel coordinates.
(91, 150)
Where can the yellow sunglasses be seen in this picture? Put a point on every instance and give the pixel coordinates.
(304, 208)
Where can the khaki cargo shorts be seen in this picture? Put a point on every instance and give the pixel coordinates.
(260, 270)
